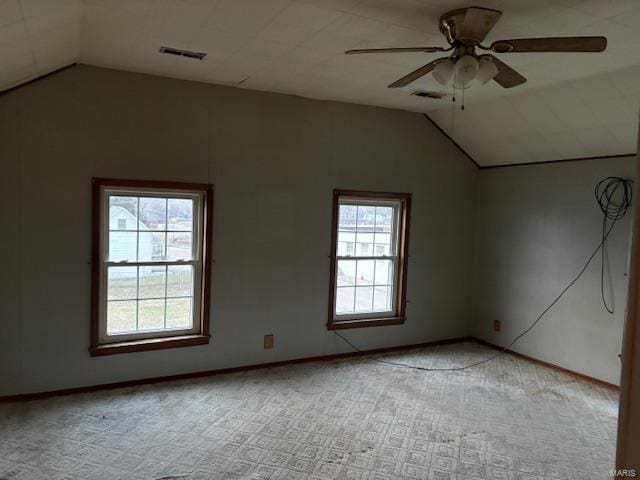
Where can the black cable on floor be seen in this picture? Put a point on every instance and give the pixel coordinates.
(612, 209)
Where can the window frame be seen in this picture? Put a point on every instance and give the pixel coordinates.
(101, 343)
(397, 315)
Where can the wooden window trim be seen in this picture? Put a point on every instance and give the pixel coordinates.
(160, 342)
(403, 257)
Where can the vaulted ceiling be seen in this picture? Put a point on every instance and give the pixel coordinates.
(573, 105)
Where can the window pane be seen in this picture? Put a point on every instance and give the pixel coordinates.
(346, 244)
(384, 219)
(151, 246)
(364, 299)
(153, 213)
(381, 250)
(180, 281)
(366, 218)
(179, 246)
(179, 313)
(344, 300)
(121, 317)
(152, 282)
(122, 246)
(150, 314)
(346, 273)
(363, 249)
(347, 218)
(121, 283)
(384, 272)
(364, 272)
(349, 237)
(382, 244)
(364, 244)
(383, 238)
(382, 299)
(123, 212)
(180, 214)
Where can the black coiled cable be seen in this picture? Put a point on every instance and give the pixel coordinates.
(614, 206)
(614, 196)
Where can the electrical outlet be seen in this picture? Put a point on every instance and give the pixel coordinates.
(268, 341)
(497, 325)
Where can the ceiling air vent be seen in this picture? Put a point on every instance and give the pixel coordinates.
(182, 53)
(424, 93)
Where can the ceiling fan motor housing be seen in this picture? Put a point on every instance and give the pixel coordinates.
(458, 28)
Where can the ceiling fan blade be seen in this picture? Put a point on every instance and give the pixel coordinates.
(551, 44)
(477, 23)
(507, 77)
(396, 50)
(416, 74)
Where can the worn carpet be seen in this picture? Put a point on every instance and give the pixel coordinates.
(344, 419)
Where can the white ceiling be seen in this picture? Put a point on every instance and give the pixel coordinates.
(573, 105)
(36, 37)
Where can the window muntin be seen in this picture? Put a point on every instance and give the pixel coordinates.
(151, 263)
(369, 258)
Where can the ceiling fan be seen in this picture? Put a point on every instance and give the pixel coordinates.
(465, 29)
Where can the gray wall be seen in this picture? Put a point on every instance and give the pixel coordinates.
(274, 161)
(537, 225)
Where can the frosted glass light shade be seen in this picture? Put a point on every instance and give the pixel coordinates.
(443, 72)
(460, 85)
(466, 69)
(486, 70)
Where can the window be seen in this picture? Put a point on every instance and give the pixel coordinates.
(369, 258)
(151, 265)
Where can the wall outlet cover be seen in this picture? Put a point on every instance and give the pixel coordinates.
(497, 325)
(268, 341)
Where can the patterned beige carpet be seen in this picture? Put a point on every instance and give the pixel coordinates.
(345, 419)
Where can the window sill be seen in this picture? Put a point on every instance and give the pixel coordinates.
(360, 323)
(149, 344)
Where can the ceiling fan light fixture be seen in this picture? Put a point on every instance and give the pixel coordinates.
(486, 70)
(466, 70)
(443, 72)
